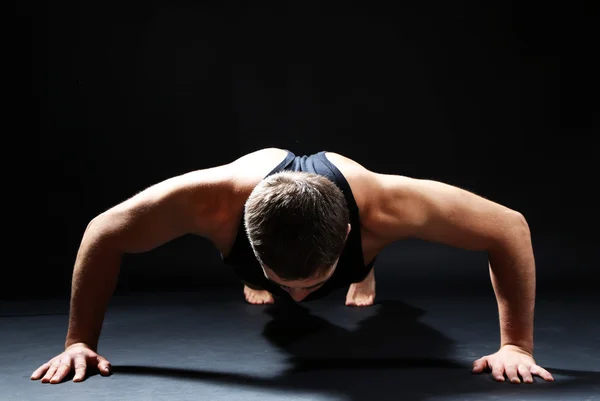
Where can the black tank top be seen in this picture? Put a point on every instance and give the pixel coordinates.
(350, 268)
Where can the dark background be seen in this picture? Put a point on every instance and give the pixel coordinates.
(495, 98)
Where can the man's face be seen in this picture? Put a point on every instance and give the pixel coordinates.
(300, 289)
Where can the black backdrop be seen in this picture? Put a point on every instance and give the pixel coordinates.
(493, 97)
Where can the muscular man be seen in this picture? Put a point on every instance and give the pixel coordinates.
(301, 227)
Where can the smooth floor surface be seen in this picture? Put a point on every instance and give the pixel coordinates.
(211, 345)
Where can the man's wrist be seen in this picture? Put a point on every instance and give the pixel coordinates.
(526, 347)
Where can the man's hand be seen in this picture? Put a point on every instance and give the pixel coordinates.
(513, 361)
(77, 356)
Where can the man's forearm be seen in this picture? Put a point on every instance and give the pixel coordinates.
(512, 272)
(94, 279)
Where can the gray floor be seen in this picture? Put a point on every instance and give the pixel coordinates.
(213, 346)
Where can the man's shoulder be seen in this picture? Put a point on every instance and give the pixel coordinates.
(368, 193)
(261, 157)
(250, 169)
(362, 181)
(242, 175)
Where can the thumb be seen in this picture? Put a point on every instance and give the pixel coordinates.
(479, 365)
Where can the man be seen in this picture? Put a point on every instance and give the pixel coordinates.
(302, 227)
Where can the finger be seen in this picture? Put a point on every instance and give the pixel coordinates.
(40, 371)
(63, 369)
(480, 365)
(498, 372)
(50, 373)
(512, 373)
(543, 373)
(103, 366)
(80, 366)
(525, 374)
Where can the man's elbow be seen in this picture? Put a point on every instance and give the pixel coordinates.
(512, 230)
(105, 229)
(520, 223)
(515, 231)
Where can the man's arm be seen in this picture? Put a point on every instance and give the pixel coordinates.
(207, 202)
(437, 212)
(191, 203)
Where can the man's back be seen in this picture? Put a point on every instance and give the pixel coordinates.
(250, 169)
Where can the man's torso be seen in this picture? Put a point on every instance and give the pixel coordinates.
(255, 166)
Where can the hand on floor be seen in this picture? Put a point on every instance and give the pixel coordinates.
(512, 361)
(77, 356)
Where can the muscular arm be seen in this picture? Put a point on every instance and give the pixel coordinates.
(191, 203)
(433, 211)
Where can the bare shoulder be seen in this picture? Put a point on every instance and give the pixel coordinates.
(368, 190)
(244, 174)
(206, 202)
(249, 169)
(363, 182)
(227, 182)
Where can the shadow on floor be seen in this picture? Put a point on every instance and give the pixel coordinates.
(391, 355)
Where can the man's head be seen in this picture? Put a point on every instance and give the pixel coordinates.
(297, 224)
